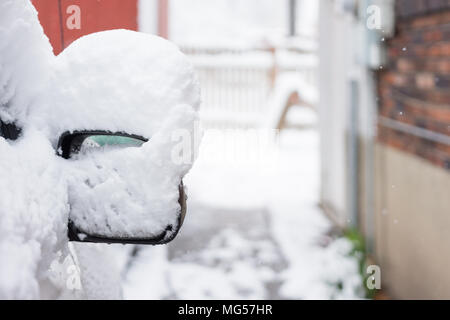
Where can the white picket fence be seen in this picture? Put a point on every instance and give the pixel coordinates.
(237, 84)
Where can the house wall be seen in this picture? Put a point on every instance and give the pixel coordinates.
(402, 146)
(414, 88)
(412, 225)
(334, 45)
(412, 155)
(347, 109)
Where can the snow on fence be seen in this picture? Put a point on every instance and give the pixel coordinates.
(237, 84)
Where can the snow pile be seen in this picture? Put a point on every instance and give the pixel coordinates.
(288, 83)
(230, 267)
(25, 57)
(118, 81)
(319, 267)
(33, 210)
(99, 270)
(335, 274)
(33, 214)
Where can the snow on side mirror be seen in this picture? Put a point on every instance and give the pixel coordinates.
(121, 96)
(98, 213)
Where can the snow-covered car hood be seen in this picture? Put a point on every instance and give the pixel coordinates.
(116, 81)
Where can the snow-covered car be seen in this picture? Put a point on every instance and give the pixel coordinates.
(93, 147)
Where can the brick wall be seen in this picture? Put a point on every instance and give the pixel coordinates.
(414, 86)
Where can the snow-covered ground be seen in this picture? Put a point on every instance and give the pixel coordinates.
(253, 231)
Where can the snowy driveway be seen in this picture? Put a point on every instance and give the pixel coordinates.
(252, 232)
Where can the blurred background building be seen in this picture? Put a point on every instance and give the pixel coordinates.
(385, 131)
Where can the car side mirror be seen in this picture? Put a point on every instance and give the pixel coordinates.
(70, 145)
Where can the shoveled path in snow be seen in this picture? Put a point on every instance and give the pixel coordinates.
(252, 231)
(239, 244)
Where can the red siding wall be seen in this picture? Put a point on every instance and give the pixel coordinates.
(96, 15)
